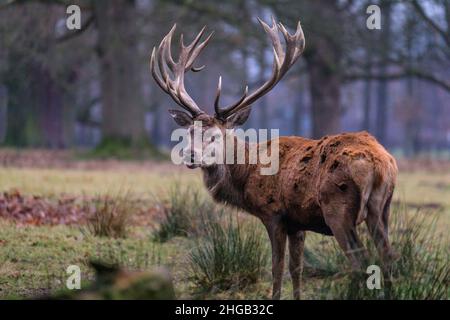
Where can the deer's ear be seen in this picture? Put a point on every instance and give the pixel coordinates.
(239, 117)
(181, 118)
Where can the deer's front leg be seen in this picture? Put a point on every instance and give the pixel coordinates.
(296, 246)
(277, 235)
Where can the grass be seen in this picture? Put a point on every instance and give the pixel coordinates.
(228, 253)
(183, 214)
(230, 256)
(142, 181)
(422, 271)
(422, 187)
(110, 216)
(124, 149)
(413, 187)
(33, 259)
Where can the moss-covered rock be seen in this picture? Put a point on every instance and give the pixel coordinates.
(114, 283)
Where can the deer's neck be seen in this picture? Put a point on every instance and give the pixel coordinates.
(226, 182)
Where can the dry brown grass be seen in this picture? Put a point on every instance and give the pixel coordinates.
(110, 216)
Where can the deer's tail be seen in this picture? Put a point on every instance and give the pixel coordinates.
(373, 176)
(364, 176)
(366, 190)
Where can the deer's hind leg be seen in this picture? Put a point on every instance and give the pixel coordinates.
(348, 240)
(340, 204)
(296, 246)
(377, 223)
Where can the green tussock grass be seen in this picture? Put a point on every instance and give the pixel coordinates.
(421, 272)
(231, 255)
(184, 212)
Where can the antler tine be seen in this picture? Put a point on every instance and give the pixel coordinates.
(173, 82)
(197, 50)
(160, 59)
(274, 38)
(240, 100)
(163, 84)
(300, 37)
(220, 111)
(295, 43)
(172, 85)
(153, 71)
(218, 92)
(182, 42)
(197, 38)
(282, 61)
(197, 69)
(168, 49)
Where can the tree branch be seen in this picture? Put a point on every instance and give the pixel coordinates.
(421, 11)
(420, 74)
(65, 3)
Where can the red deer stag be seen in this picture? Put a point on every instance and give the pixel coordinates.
(327, 186)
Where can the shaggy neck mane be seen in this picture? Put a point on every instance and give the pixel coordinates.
(226, 182)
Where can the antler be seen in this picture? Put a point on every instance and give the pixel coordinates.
(163, 57)
(295, 45)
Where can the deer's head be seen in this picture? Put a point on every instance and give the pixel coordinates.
(170, 78)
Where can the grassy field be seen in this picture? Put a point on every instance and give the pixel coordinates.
(33, 259)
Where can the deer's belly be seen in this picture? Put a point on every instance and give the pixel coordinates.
(299, 213)
(308, 218)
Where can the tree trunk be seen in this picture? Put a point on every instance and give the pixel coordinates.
(22, 126)
(382, 118)
(325, 85)
(413, 123)
(382, 94)
(413, 120)
(367, 105)
(156, 125)
(3, 112)
(49, 107)
(367, 94)
(122, 104)
(298, 111)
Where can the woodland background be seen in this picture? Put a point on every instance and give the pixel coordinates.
(68, 98)
(92, 88)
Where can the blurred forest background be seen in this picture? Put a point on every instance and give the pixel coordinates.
(88, 87)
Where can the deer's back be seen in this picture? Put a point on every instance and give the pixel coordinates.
(306, 166)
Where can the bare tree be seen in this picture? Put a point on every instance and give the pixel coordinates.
(122, 105)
